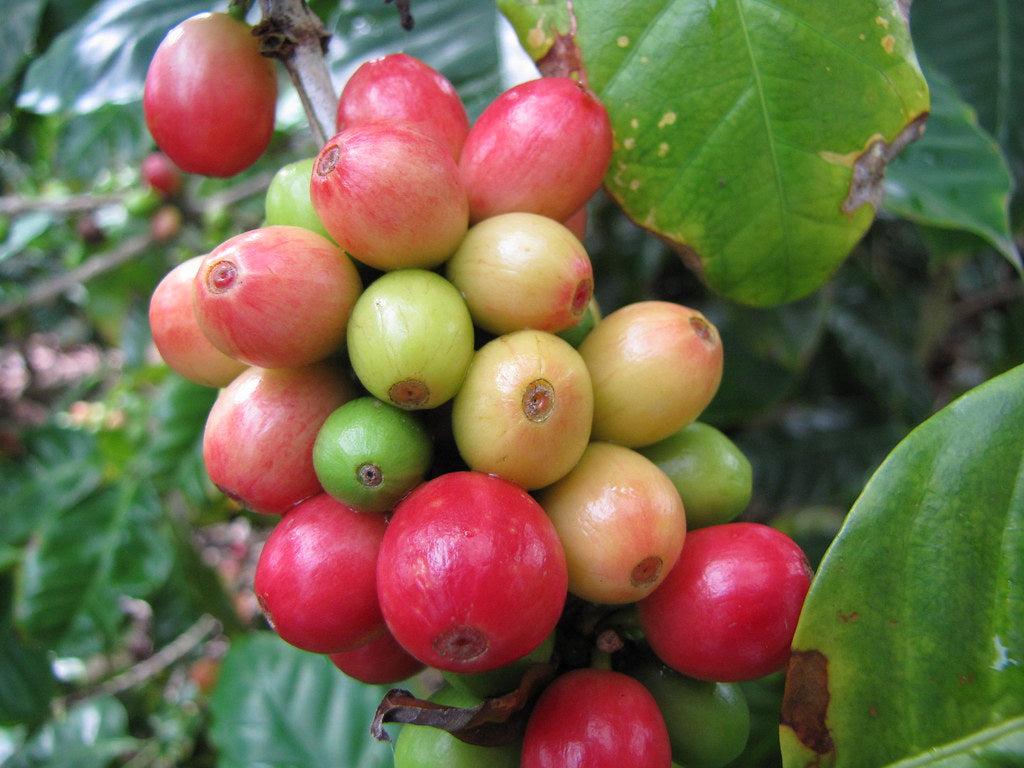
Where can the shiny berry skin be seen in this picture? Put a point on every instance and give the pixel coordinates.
(471, 574)
(542, 146)
(401, 88)
(655, 366)
(277, 296)
(259, 434)
(381, 661)
(160, 173)
(210, 96)
(728, 609)
(177, 335)
(316, 576)
(596, 718)
(390, 196)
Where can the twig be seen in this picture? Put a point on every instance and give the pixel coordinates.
(104, 262)
(150, 667)
(291, 32)
(15, 205)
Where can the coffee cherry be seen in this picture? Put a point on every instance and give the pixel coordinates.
(287, 199)
(542, 146)
(258, 439)
(713, 477)
(708, 723)
(410, 339)
(728, 610)
(596, 718)
(521, 270)
(390, 196)
(369, 454)
(316, 578)
(159, 172)
(471, 575)
(620, 521)
(276, 297)
(210, 97)
(524, 409)
(401, 88)
(381, 661)
(504, 679)
(655, 366)
(423, 746)
(177, 335)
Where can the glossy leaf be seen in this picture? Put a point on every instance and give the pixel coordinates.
(26, 683)
(21, 25)
(103, 58)
(911, 635)
(740, 127)
(85, 557)
(89, 735)
(955, 176)
(278, 707)
(981, 53)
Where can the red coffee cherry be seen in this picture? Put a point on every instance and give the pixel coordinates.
(316, 578)
(401, 88)
(210, 96)
(541, 147)
(471, 575)
(728, 609)
(596, 718)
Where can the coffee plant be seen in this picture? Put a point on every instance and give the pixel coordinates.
(555, 384)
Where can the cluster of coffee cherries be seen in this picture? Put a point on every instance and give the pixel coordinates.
(475, 470)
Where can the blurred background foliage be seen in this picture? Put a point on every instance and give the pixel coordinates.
(125, 577)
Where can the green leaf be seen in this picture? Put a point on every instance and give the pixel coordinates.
(955, 176)
(88, 556)
(102, 59)
(981, 53)
(911, 634)
(278, 707)
(89, 735)
(26, 682)
(740, 125)
(21, 24)
(998, 747)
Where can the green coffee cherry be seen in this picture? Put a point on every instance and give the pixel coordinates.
(369, 454)
(423, 746)
(713, 477)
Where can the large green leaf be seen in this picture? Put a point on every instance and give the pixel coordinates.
(102, 59)
(89, 735)
(911, 637)
(981, 52)
(85, 557)
(751, 135)
(26, 682)
(20, 27)
(278, 707)
(955, 176)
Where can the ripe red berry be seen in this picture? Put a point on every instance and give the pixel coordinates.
(177, 335)
(728, 609)
(210, 96)
(259, 435)
(471, 575)
(596, 718)
(159, 172)
(541, 147)
(382, 661)
(277, 296)
(316, 576)
(390, 196)
(401, 88)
